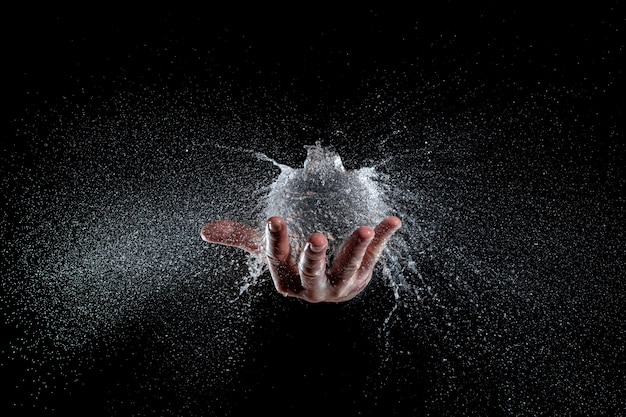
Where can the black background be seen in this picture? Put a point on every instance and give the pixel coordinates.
(320, 58)
(316, 55)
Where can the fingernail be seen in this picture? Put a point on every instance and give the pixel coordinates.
(315, 249)
(273, 227)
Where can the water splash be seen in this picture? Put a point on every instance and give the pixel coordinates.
(492, 275)
(323, 196)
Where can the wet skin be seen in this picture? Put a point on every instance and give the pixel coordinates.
(308, 277)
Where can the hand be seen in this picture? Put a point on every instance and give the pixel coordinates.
(308, 278)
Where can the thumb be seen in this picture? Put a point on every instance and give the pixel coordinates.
(232, 233)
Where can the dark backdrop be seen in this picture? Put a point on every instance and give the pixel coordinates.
(320, 60)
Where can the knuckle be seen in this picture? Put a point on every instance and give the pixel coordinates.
(350, 269)
(275, 265)
(310, 272)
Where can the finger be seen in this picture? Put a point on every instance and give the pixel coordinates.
(277, 245)
(232, 233)
(278, 252)
(312, 265)
(351, 254)
(383, 231)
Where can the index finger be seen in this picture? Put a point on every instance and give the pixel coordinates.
(278, 251)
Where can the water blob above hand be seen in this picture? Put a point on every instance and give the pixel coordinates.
(306, 276)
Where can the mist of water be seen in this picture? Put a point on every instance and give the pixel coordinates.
(503, 268)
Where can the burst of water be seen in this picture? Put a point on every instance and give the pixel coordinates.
(491, 275)
(325, 197)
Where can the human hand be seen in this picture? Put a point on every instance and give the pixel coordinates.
(308, 278)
